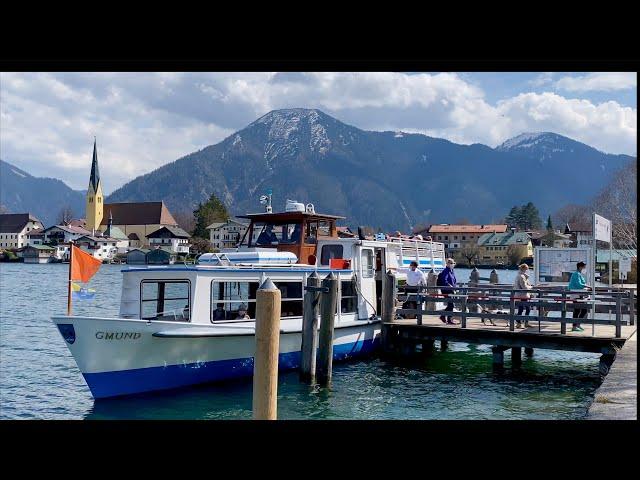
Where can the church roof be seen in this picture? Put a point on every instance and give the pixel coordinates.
(138, 213)
(94, 180)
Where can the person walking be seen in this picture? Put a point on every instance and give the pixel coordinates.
(447, 282)
(522, 283)
(578, 282)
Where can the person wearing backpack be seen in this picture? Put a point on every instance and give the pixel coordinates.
(447, 282)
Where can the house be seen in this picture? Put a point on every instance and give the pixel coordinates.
(227, 234)
(174, 238)
(112, 231)
(63, 234)
(137, 256)
(139, 218)
(507, 248)
(459, 239)
(103, 248)
(582, 234)
(345, 232)
(14, 228)
(550, 239)
(35, 237)
(160, 256)
(38, 254)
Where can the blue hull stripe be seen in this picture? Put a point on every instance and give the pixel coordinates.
(140, 380)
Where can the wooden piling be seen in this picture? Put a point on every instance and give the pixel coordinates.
(512, 312)
(516, 356)
(498, 356)
(310, 330)
(632, 306)
(432, 281)
(328, 301)
(563, 314)
(528, 351)
(444, 344)
(618, 316)
(389, 295)
(474, 277)
(493, 277)
(265, 367)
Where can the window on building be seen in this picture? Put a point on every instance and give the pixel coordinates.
(349, 298)
(329, 252)
(455, 237)
(165, 300)
(291, 298)
(228, 297)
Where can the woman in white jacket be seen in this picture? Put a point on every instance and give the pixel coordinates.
(522, 283)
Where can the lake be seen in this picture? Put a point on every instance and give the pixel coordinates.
(39, 378)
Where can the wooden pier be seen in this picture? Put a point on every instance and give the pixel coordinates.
(413, 331)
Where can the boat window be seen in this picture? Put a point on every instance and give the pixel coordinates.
(275, 234)
(227, 298)
(348, 299)
(367, 264)
(329, 252)
(165, 300)
(291, 298)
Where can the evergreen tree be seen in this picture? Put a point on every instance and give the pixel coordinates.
(207, 213)
(514, 218)
(531, 217)
(549, 224)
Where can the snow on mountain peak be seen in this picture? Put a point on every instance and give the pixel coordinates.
(524, 140)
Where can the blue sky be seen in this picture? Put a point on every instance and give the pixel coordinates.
(145, 120)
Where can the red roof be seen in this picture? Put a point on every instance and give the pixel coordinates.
(467, 229)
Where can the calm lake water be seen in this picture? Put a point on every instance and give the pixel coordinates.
(39, 378)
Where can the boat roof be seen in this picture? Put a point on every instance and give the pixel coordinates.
(288, 216)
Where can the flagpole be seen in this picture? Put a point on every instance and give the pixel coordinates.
(69, 285)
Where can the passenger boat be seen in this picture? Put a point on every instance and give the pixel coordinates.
(179, 325)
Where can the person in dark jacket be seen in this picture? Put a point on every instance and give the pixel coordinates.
(447, 282)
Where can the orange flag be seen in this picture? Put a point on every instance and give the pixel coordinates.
(83, 265)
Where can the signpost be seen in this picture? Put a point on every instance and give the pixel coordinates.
(602, 232)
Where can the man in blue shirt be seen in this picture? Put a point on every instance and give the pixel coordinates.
(578, 282)
(447, 279)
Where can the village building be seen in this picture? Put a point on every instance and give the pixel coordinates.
(38, 254)
(550, 239)
(137, 256)
(227, 234)
(35, 237)
(63, 234)
(508, 248)
(582, 235)
(460, 239)
(14, 228)
(100, 247)
(173, 238)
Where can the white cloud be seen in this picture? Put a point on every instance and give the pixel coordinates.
(145, 120)
(542, 79)
(605, 81)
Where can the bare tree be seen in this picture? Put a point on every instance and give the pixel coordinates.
(65, 215)
(574, 215)
(514, 254)
(186, 221)
(471, 253)
(618, 202)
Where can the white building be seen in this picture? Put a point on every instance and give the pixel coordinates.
(103, 248)
(14, 228)
(173, 238)
(64, 233)
(226, 234)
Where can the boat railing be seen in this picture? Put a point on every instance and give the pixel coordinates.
(416, 249)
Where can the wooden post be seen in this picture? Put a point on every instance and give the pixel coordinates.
(419, 308)
(498, 356)
(265, 367)
(432, 281)
(618, 315)
(310, 330)
(389, 295)
(463, 308)
(493, 277)
(443, 345)
(528, 351)
(474, 277)
(563, 314)
(632, 306)
(427, 347)
(512, 312)
(540, 309)
(328, 302)
(516, 356)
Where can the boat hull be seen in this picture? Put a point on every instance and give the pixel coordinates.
(120, 357)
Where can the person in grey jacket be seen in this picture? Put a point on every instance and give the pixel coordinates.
(522, 283)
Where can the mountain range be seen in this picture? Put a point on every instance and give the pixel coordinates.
(391, 180)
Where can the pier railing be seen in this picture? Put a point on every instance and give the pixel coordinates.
(502, 301)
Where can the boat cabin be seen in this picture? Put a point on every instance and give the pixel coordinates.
(297, 232)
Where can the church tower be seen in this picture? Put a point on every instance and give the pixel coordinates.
(94, 196)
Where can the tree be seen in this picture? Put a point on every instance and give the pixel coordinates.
(201, 245)
(617, 202)
(525, 217)
(514, 254)
(206, 214)
(186, 221)
(572, 214)
(65, 215)
(514, 218)
(471, 253)
(549, 224)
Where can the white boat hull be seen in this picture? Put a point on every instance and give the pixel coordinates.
(123, 357)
